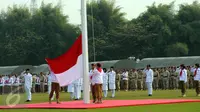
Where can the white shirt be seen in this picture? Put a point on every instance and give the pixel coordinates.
(77, 82)
(49, 79)
(16, 80)
(28, 79)
(37, 80)
(149, 75)
(197, 77)
(112, 77)
(97, 77)
(125, 75)
(90, 74)
(10, 81)
(53, 77)
(183, 77)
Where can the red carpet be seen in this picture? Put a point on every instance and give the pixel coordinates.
(106, 104)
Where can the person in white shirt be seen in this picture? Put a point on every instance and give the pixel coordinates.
(77, 89)
(92, 87)
(37, 84)
(80, 86)
(49, 85)
(27, 84)
(196, 72)
(183, 79)
(112, 79)
(70, 90)
(55, 87)
(16, 80)
(9, 80)
(97, 80)
(105, 83)
(149, 79)
(125, 79)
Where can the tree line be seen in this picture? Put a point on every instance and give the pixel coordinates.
(28, 38)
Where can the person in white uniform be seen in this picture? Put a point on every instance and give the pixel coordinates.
(27, 84)
(112, 78)
(80, 86)
(105, 83)
(77, 89)
(149, 79)
(49, 85)
(70, 90)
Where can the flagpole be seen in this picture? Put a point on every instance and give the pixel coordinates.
(86, 92)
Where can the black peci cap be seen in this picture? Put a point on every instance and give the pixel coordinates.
(98, 65)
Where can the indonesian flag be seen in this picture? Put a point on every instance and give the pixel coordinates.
(68, 67)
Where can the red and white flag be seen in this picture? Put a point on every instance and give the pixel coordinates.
(68, 67)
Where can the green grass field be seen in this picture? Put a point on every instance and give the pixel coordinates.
(162, 94)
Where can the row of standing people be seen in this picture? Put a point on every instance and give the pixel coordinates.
(164, 78)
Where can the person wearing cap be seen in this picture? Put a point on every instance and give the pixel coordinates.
(149, 79)
(183, 79)
(156, 79)
(42, 82)
(55, 87)
(112, 79)
(97, 80)
(92, 87)
(28, 84)
(49, 85)
(105, 83)
(125, 79)
(77, 89)
(196, 72)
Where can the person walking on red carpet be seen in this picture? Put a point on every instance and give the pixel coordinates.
(196, 72)
(55, 87)
(92, 82)
(183, 79)
(27, 84)
(98, 81)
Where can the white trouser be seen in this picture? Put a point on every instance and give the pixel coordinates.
(71, 95)
(105, 93)
(77, 91)
(113, 92)
(28, 92)
(149, 86)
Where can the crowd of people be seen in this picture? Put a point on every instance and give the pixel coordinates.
(104, 80)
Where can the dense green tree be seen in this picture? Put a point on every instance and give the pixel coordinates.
(160, 31)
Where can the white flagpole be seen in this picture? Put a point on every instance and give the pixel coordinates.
(86, 92)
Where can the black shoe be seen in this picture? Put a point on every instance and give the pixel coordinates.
(28, 100)
(76, 99)
(150, 95)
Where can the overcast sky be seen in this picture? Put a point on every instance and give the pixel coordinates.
(72, 7)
